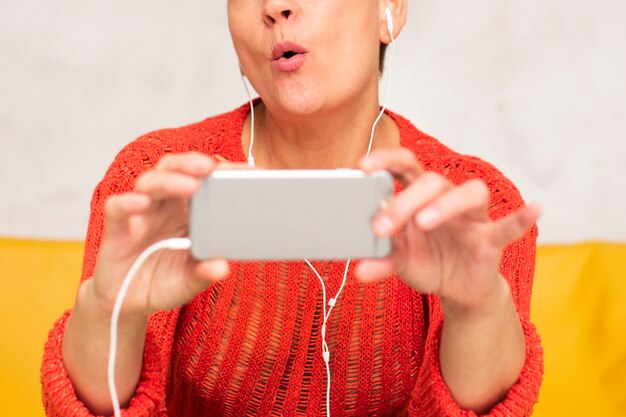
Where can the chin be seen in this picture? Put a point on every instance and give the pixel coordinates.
(312, 100)
(296, 102)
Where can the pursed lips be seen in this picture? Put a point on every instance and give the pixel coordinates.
(288, 56)
(287, 50)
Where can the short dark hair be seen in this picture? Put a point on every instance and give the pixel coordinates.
(381, 57)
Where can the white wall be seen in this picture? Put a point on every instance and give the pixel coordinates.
(535, 87)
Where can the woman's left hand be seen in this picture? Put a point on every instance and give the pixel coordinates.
(443, 239)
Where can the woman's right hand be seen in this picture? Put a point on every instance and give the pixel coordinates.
(157, 209)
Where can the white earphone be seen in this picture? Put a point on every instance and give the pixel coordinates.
(389, 19)
(330, 303)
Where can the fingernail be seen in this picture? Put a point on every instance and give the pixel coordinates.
(427, 217)
(384, 225)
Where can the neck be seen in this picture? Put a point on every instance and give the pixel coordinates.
(334, 139)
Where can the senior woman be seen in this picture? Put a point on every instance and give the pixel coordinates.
(440, 327)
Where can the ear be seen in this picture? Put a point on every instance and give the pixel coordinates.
(398, 13)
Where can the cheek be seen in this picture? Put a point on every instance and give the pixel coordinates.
(352, 49)
(242, 31)
(238, 37)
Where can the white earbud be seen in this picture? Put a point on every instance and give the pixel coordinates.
(389, 20)
(243, 80)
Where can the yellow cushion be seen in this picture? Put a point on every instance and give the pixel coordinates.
(38, 281)
(579, 306)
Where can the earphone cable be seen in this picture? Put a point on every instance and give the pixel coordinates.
(250, 156)
(326, 315)
(325, 350)
(173, 244)
(384, 107)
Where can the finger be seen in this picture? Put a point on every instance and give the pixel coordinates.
(203, 274)
(213, 270)
(516, 224)
(163, 184)
(119, 208)
(470, 198)
(400, 162)
(374, 269)
(190, 163)
(402, 207)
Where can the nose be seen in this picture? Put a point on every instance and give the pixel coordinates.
(275, 11)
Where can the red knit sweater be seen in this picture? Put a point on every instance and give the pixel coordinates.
(250, 345)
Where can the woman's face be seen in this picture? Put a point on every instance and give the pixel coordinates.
(336, 45)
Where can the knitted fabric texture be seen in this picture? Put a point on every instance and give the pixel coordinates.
(250, 345)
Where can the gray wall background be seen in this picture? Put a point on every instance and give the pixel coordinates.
(535, 87)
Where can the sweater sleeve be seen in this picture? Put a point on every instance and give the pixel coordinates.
(58, 394)
(60, 399)
(431, 396)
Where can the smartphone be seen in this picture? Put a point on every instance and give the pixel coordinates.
(289, 214)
